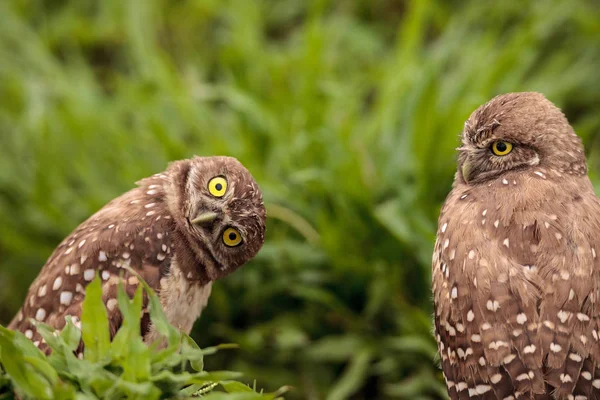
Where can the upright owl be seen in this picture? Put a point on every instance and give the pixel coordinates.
(180, 230)
(516, 274)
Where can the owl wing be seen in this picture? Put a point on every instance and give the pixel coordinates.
(133, 230)
(569, 311)
(485, 298)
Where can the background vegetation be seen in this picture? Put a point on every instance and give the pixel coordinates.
(346, 112)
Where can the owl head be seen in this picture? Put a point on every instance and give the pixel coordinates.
(219, 214)
(517, 131)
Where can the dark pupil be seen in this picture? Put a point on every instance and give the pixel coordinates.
(219, 187)
(501, 147)
(232, 236)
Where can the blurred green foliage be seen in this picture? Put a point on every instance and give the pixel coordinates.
(124, 369)
(346, 112)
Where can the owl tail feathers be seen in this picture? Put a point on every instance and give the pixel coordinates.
(447, 361)
(502, 386)
(588, 384)
(451, 385)
(525, 380)
(564, 379)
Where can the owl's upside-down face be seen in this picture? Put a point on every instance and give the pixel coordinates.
(517, 131)
(218, 207)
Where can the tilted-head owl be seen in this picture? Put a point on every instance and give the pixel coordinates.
(180, 230)
(516, 274)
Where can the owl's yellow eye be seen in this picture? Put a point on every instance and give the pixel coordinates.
(217, 186)
(501, 148)
(231, 237)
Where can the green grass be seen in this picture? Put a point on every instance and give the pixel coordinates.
(346, 112)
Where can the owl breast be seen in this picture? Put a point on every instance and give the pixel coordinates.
(181, 299)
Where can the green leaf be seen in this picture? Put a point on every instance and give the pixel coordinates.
(25, 346)
(127, 346)
(136, 367)
(85, 396)
(130, 310)
(335, 348)
(71, 335)
(4, 380)
(126, 389)
(94, 323)
(94, 378)
(197, 378)
(190, 351)
(233, 396)
(19, 367)
(413, 344)
(419, 382)
(54, 341)
(43, 367)
(157, 315)
(223, 346)
(160, 357)
(356, 373)
(64, 391)
(234, 387)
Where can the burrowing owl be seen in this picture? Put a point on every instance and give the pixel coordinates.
(180, 230)
(515, 268)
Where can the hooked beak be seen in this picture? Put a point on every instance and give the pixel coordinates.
(205, 218)
(467, 170)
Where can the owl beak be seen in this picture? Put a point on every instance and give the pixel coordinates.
(205, 218)
(466, 169)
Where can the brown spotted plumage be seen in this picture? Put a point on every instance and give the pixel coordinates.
(515, 267)
(180, 230)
